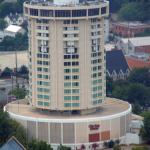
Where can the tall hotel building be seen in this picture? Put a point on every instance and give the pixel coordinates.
(66, 53)
(67, 101)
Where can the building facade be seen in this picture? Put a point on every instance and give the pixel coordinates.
(66, 53)
(76, 131)
(128, 29)
(67, 71)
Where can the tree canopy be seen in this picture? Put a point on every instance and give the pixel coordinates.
(38, 145)
(145, 131)
(2, 24)
(9, 127)
(131, 10)
(135, 89)
(7, 72)
(20, 93)
(140, 148)
(61, 147)
(19, 42)
(7, 8)
(140, 76)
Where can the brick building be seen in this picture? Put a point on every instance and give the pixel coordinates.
(126, 29)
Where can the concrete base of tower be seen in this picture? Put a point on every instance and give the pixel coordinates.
(76, 131)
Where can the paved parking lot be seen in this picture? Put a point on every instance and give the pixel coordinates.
(7, 59)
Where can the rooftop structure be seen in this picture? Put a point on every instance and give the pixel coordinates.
(12, 144)
(132, 24)
(109, 108)
(130, 45)
(138, 41)
(13, 28)
(63, 3)
(110, 122)
(136, 62)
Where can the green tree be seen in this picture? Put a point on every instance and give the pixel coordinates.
(111, 144)
(7, 8)
(140, 148)
(5, 127)
(1, 1)
(6, 72)
(19, 132)
(2, 24)
(61, 147)
(136, 108)
(23, 70)
(141, 75)
(138, 93)
(9, 127)
(19, 42)
(38, 145)
(120, 89)
(116, 147)
(109, 86)
(134, 93)
(135, 11)
(20, 93)
(143, 7)
(130, 12)
(115, 5)
(8, 44)
(145, 131)
(142, 34)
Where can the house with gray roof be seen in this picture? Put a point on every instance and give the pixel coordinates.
(116, 65)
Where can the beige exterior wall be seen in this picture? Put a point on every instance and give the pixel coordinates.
(68, 133)
(31, 130)
(43, 132)
(81, 129)
(75, 134)
(122, 125)
(55, 133)
(115, 128)
(53, 32)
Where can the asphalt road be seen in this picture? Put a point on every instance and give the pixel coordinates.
(8, 84)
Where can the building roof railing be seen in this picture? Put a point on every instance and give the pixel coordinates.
(51, 3)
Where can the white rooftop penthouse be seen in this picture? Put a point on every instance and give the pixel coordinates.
(12, 30)
(138, 41)
(64, 2)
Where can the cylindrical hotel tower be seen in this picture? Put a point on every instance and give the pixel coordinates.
(66, 54)
(68, 104)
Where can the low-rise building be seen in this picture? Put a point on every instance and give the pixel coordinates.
(116, 65)
(135, 126)
(128, 29)
(143, 50)
(135, 45)
(16, 19)
(13, 144)
(136, 62)
(12, 30)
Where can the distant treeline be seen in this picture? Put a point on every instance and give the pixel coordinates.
(7, 8)
(19, 42)
(131, 10)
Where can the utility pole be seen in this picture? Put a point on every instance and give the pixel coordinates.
(128, 35)
(16, 61)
